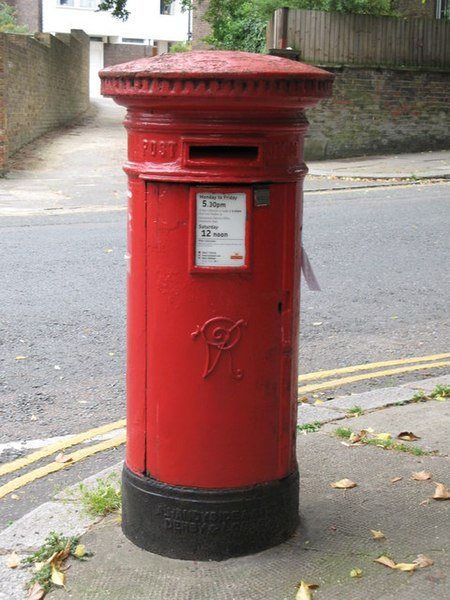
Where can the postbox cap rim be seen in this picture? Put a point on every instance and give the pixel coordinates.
(216, 64)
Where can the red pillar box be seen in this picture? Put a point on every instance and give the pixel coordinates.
(215, 167)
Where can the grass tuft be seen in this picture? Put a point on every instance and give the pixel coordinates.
(104, 498)
(309, 427)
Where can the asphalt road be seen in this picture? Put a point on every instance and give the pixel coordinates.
(380, 254)
(382, 258)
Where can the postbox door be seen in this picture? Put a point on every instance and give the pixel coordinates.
(221, 349)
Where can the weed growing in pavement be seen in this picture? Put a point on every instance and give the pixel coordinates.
(391, 445)
(419, 396)
(54, 542)
(441, 392)
(309, 427)
(48, 560)
(343, 432)
(355, 411)
(388, 444)
(104, 498)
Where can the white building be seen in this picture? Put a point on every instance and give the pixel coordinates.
(150, 29)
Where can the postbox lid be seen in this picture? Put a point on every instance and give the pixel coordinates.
(216, 73)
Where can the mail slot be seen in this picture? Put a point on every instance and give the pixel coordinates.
(215, 169)
(225, 152)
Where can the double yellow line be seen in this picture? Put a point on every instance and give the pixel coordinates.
(404, 365)
(426, 362)
(69, 459)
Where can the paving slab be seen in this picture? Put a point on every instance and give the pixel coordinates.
(426, 420)
(428, 385)
(334, 537)
(371, 400)
(310, 413)
(420, 165)
(29, 532)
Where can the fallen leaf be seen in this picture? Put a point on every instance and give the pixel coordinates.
(305, 591)
(441, 492)
(21, 357)
(356, 573)
(383, 436)
(343, 484)
(408, 567)
(57, 577)
(422, 476)
(395, 479)
(12, 560)
(62, 458)
(356, 438)
(80, 551)
(423, 561)
(36, 592)
(386, 561)
(304, 400)
(59, 557)
(408, 436)
(318, 402)
(352, 445)
(377, 535)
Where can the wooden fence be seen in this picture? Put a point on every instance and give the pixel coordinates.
(335, 38)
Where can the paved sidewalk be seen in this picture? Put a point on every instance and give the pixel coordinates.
(413, 166)
(79, 169)
(70, 170)
(334, 536)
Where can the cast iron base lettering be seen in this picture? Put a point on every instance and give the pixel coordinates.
(208, 524)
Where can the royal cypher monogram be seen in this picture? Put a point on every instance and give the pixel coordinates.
(221, 336)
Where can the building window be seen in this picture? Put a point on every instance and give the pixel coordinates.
(89, 4)
(166, 7)
(132, 41)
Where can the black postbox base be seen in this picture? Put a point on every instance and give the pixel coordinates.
(207, 524)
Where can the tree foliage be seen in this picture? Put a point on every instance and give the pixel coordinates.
(241, 24)
(8, 22)
(236, 25)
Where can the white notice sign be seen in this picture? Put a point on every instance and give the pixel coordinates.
(220, 229)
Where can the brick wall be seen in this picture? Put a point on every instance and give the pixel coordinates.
(200, 28)
(29, 13)
(115, 54)
(44, 83)
(379, 111)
